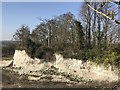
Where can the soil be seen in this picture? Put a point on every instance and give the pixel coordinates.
(11, 80)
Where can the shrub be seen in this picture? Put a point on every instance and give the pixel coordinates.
(107, 57)
(79, 54)
(39, 53)
(30, 48)
(45, 53)
(49, 54)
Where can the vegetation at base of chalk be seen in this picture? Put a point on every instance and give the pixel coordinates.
(38, 51)
(106, 58)
(45, 53)
(30, 48)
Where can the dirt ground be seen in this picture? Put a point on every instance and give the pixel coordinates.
(11, 80)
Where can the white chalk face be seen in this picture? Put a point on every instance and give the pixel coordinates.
(74, 67)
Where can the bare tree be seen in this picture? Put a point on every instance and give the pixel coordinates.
(21, 35)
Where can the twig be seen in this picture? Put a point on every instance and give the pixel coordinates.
(102, 13)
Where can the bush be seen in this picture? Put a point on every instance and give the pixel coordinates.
(39, 53)
(45, 53)
(107, 57)
(30, 48)
(49, 55)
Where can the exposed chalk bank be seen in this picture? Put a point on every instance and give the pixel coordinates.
(21, 59)
(92, 70)
(70, 66)
(27, 64)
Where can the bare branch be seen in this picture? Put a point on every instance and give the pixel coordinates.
(102, 13)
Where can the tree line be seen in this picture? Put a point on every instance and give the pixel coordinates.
(93, 37)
